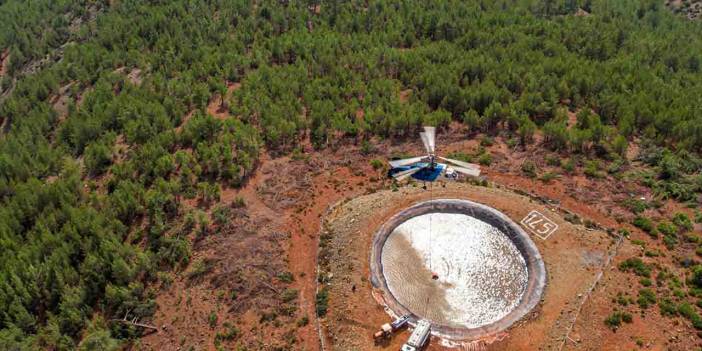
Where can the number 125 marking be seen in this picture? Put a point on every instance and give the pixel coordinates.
(539, 224)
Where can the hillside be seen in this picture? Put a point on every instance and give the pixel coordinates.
(169, 163)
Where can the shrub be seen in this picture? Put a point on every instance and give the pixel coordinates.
(573, 218)
(553, 160)
(637, 266)
(299, 155)
(592, 169)
(696, 279)
(96, 338)
(203, 224)
(165, 279)
(212, 319)
(626, 317)
(286, 310)
(670, 242)
(209, 192)
(529, 169)
(303, 321)
(646, 282)
(471, 119)
(646, 298)
(286, 277)
(697, 322)
(230, 333)
(636, 206)
(568, 165)
(164, 166)
(485, 159)
(188, 223)
(200, 268)
(221, 215)
(588, 223)
(288, 295)
(679, 293)
(692, 238)
(98, 156)
(461, 156)
(548, 176)
(619, 145)
(616, 166)
(366, 147)
(377, 164)
(661, 277)
(616, 318)
(487, 141)
(624, 300)
(238, 202)
(667, 228)
(174, 251)
(646, 225)
(669, 167)
(688, 311)
(322, 302)
(5, 83)
(652, 253)
(683, 221)
(268, 316)
(668, 308)
(638, 242)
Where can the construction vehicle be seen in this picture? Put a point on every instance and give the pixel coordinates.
(419, 337)
(388, 328)
(384, 332)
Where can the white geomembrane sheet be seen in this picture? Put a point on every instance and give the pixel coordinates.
(482, 275)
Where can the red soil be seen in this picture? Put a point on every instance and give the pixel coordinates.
(218, 107)
(4, 61)
(306, 188)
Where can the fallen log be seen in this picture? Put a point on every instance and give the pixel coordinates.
(135, 322)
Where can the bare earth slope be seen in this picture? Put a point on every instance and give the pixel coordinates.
(278, 231)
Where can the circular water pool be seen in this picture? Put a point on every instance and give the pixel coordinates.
(479, 274)
(465, 267)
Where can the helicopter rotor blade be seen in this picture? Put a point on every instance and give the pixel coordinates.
(430, 133)
(460, 163)
(405, 161)
(467, 171)
(425, 141)
(406, 174)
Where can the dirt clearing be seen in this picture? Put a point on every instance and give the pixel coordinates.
(573, 255)
(219, 106)
(278, 232)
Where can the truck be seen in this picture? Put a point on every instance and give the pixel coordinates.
(388, 328)
(400, 322)
(419, 337)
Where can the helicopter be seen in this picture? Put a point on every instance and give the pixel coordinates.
(427, 167)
